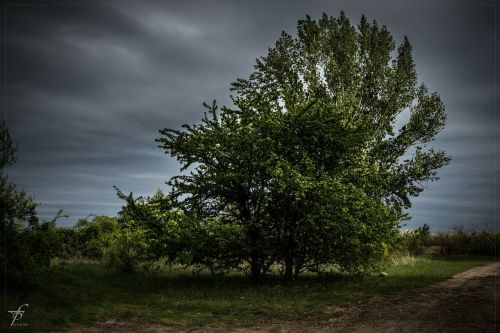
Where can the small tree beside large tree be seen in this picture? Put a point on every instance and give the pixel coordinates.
(26, 245)
(308, 163)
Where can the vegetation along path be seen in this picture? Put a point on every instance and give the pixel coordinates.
(468, 302)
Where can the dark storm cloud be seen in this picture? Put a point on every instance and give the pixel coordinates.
(89, 85)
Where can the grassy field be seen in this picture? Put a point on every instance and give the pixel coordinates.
(81, 293)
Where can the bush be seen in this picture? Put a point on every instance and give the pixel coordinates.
(415, 242)
(28, 251)
(210, 243)
(125, 248)
(26, 245)
(94, 237)
(67, 246)
(152, 228)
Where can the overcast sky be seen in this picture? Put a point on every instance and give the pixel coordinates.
(90, 83)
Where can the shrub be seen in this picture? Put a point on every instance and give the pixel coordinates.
(458, 241)
(93, 237)
(415, 242)
(26, 245)
(125, 248)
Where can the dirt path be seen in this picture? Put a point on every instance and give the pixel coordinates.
(468, 302)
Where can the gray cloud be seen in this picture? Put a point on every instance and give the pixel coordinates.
(89, 86)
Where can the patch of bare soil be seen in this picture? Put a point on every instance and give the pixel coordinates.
(468, 302)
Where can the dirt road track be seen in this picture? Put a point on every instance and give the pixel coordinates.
(468, 302)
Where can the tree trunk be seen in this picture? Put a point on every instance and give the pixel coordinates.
(256, 270)
(255, 258)
(298, 267)
(288, 277)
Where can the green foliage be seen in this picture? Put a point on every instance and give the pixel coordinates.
(156, 220)
(8, 155)
(145, 229)
(67, 245)
(26, 245)
(109, 239)
(307, 163)
(126, 247)
(152, 228)
(93, 237)
(211, 243)
(415, 242)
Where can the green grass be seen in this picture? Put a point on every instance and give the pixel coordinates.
(82, 293)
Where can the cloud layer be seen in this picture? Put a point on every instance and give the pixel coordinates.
(89, 85)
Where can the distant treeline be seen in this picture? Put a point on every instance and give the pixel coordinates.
(458, 241)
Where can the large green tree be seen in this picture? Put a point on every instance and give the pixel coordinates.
(308, 161)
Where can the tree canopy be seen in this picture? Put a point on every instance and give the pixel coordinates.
(307, 162)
